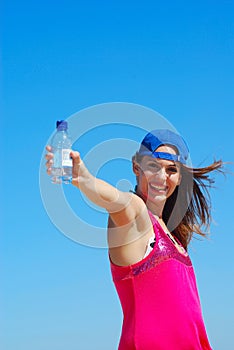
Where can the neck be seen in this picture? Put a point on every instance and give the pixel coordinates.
(155, 209)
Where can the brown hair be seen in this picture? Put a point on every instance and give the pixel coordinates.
(188, 209)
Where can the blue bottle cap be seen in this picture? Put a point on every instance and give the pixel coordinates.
(61, 125)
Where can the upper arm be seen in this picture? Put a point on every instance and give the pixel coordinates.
(128, 232)
(132, 208)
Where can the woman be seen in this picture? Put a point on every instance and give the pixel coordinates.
(148, 235)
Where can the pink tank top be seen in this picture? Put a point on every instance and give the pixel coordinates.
(160, 301)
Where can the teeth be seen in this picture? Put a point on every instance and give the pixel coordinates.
(158, 188)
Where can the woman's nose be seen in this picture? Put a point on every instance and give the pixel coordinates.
(162, 174)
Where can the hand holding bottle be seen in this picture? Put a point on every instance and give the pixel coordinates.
(80, 174)
(66, 166)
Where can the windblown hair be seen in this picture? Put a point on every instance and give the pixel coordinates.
(188, 209)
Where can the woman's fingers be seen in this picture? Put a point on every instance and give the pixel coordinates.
(48, 148)
(49, 157)
(49, 163)
(48, 171)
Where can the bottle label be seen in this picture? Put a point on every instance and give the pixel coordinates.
(66, 159)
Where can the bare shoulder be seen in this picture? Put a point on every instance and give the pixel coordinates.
(128, 233)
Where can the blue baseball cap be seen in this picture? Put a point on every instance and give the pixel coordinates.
(156, 138)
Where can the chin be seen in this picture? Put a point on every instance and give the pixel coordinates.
(160, 198)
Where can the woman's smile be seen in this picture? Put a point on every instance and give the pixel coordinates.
(157, 188)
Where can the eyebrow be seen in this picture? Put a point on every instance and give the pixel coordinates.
(159, 163)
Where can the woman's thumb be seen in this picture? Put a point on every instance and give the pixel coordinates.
(76, 162)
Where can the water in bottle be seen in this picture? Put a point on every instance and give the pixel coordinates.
(61, 144)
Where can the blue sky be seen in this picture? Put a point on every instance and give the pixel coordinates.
(59, 58)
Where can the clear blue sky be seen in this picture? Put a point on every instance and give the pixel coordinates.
(59, 57)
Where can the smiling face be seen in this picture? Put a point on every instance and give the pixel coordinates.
(157, 178)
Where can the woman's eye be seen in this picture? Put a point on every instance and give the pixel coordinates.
(156, 168)
(154, 165)
(172, 169)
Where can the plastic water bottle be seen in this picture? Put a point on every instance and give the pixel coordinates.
(61, 144)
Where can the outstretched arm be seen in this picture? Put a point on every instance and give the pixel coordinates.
(123, 207)
(98, 191)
